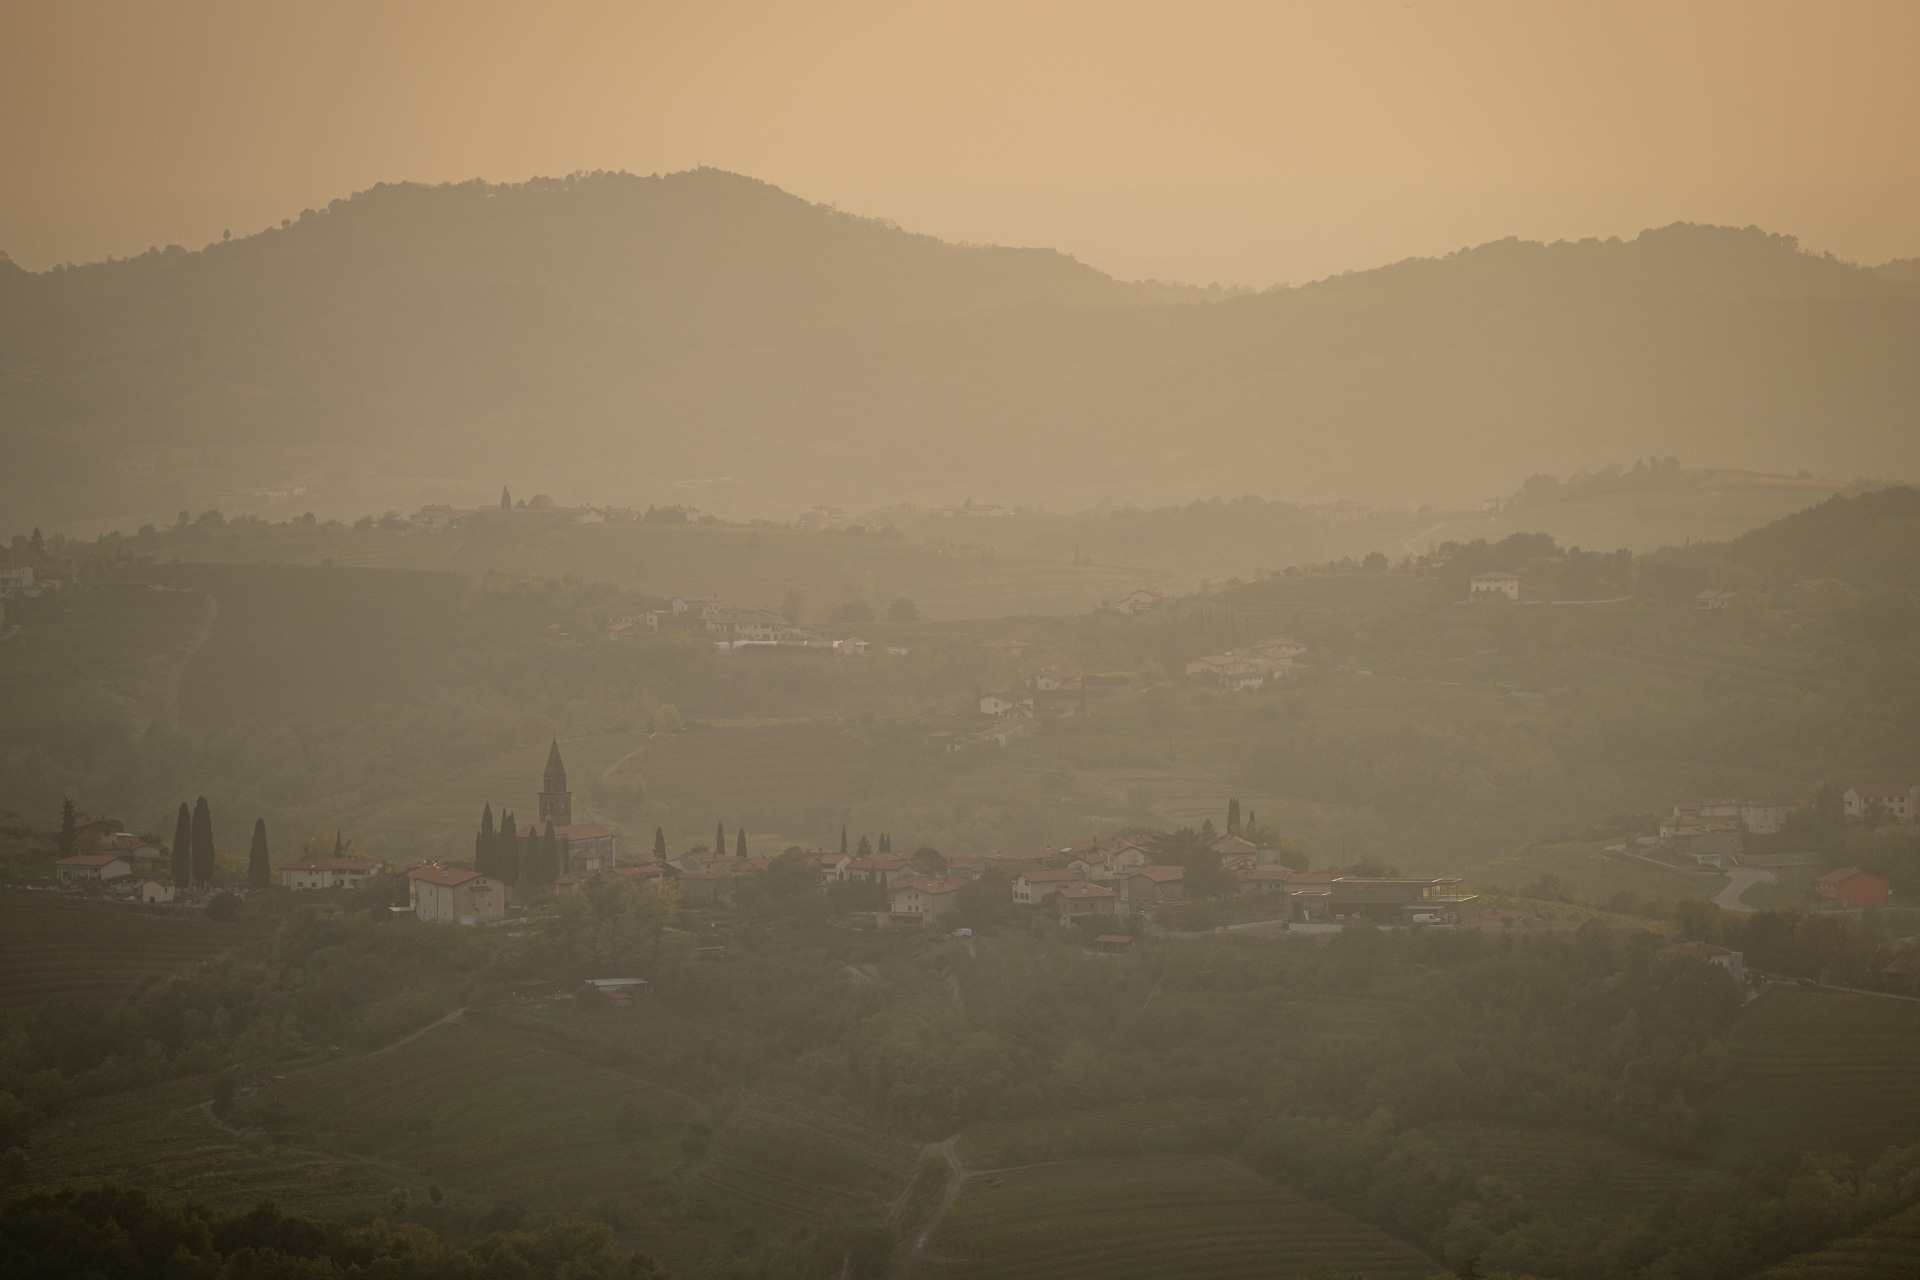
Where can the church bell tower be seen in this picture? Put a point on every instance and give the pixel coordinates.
(556, 802)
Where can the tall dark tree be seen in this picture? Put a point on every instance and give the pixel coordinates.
(183, 847)
(1233, 814)
(483, 838)
(506, 499)
(202, 842)
(866, 848)
(69, 828)
(843, 839)
(506, 851)
(259, 864)
(549, 865)
(660, 844)
(1250, 817)
(339, 846)
(739, 842)
(886, 843)
(720, 839)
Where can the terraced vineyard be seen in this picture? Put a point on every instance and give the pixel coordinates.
(1170, 1124)
(1888, 1250)
(58, 951)
(1822, 1071)
(160, 1140)
(794, 1158)
(1185, 1216)
(487, 1112)
(1567, 1174)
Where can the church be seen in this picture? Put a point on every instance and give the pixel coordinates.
(585, 847)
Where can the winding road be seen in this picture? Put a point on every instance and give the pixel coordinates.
(1739, 880)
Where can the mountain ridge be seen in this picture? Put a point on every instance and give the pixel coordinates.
(707, 337)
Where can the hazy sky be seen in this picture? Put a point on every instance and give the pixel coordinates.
(1245, 143)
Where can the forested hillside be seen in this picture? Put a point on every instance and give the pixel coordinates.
(706, 337)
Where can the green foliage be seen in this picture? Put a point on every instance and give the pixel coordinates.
(113, 1230)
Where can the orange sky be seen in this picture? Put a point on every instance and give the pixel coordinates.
(1245, 143)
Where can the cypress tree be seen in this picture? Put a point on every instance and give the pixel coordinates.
(1233, 814)
(68, 827)
(843, 839)
(483, 838)
(719, 839)
(739, 842)
(339, 849)
(660, 844)
(886, 843)
(549, 857)
(506, 864)
(259, 865)
(1250, 817)
(506, 499)
(202, 842)
(183, 847)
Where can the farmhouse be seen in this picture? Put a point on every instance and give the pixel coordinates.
(1495, 585)
(1852, 887)
(1895, 799)
(1144, 886)
(454, 895)
(1259, 880)
(1029, 887)
(919, 899)
(94, 866)
(16, 578)
(330, 873)
(1082, 899)
(1733, 962)
(879, 868)
(132, 846)
(998, 703)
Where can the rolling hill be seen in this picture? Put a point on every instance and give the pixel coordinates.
(708, 338)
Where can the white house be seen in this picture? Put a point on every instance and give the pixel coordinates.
(95, 866)
(16, 577)
(455, 895)
(330, 873)
(919, 899)
(997, 703)
(154, 890)
(1010, 729)
(1493, 585)
(1896, 798)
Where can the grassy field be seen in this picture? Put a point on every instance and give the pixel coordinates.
(57, 951)
(1592, 873)
(291, 643)
(94, 656)
(1888, 1250)
(1821, 1071)
(1118, 1219)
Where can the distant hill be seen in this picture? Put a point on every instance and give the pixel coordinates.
(707, 338)
(1869, 540)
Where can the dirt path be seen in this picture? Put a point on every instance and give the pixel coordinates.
(171, 668)
(957, 1175)
(409, 1039)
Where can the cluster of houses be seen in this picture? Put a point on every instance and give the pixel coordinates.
(732, 628)
(1239, 670)
(1714, 832)
(1112, 876)
(121, 863)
